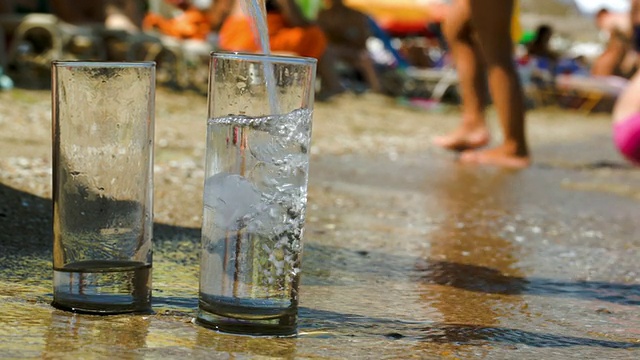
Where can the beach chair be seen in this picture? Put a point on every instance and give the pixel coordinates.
(442, 80)
(587, 93)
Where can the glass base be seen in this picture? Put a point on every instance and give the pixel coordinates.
(247, 320)
(103, 287)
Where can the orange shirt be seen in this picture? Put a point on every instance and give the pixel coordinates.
(236, 35)
(191, 24)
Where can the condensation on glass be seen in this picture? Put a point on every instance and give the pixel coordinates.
(103, 127)
(255, 192)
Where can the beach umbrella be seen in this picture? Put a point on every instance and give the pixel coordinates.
(398, 16)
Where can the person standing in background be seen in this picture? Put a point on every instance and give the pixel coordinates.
(479, 35)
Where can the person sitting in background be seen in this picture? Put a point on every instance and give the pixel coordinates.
(540, 46)
(543, 59)
(218, 11)
(289, 32)
(348, 31)
(619, 57)
(191, 23)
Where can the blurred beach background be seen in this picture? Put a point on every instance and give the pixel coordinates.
(407, 252)
(393, 127)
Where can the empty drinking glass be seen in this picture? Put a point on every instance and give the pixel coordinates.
(103, 125)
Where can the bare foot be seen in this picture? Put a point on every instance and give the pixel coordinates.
(463, 139)
(498, 156)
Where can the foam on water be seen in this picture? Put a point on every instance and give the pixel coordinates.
(274, 185)
(288, 126)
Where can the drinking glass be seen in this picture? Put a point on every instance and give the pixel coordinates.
(103, 125)
(255, 192)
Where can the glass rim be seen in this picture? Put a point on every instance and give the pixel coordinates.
(274, 58)
(102, 64)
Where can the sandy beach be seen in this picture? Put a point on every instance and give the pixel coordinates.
(369, 125)
(408, 254)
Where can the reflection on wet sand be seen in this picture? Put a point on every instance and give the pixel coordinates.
(25, 231)
(472, 202)
(242, 347)
(487, 280)
(82, 336)
(429, 334)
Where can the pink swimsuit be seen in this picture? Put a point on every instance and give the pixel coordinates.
(626, 135)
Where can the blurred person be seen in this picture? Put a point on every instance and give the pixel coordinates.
(218, 11)
(619, 57)
(626, 112)
(348, 30)
(540, 45)
(542, 62)
(289, 32)
(191, 23)
(626, 121)
(479, 36)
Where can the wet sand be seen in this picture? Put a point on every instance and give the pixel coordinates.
(407, 253)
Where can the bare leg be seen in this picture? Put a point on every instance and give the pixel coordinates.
(628, 102)
(329, 80)
(368, 69)
(472, 131)
(610, 61)
(492, 22)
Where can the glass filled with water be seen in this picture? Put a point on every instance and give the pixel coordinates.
(103, 126)
(255, 191)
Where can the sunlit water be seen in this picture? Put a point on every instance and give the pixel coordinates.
(256, 11)
(254, 211)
